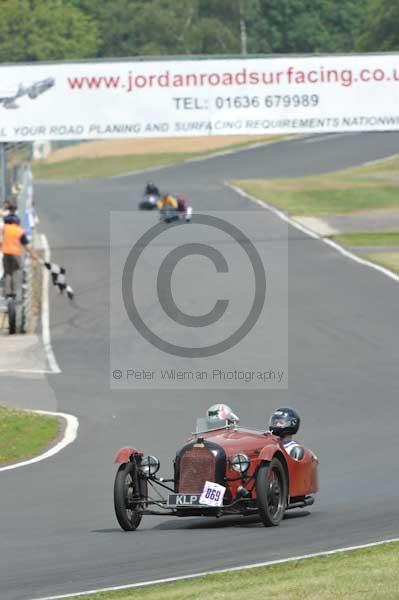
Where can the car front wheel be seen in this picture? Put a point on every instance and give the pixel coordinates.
(271, 492)
(127, 508)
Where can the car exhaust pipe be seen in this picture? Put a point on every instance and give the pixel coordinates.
(308, 501)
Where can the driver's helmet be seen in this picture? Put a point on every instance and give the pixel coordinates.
(284, 421)
(150, 186)
(221, 412)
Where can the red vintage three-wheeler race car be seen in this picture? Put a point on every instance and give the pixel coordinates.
(222, 469)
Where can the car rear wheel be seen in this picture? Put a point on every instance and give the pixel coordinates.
(271, 492)
(127, 509)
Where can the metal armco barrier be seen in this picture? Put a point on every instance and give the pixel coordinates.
(26, 211)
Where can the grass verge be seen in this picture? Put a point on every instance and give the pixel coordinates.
(24, 434)
(105, 166)
(375, 239)
(390, 260)
(362, 188)
(368, 574)
(368, 238)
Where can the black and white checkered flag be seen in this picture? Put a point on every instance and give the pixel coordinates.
(58, 275)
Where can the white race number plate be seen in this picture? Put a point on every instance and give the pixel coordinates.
(212, 494)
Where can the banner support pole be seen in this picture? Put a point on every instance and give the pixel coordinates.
(2, 173)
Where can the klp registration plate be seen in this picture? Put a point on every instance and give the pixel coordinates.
(184, 499)
(212, 496)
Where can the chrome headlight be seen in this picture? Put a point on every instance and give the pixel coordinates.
(240, 463)
(150, 465)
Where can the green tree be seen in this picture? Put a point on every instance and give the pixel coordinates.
(381, 29)
(53, 29)
(210, 36)
(45, 30)
(302, 26)
(162, 27)
(236, 16)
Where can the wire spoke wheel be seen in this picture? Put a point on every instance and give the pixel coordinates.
(275, 492)
(126, 499)
(271, 492)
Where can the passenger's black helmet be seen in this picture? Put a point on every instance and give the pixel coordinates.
(284, 421)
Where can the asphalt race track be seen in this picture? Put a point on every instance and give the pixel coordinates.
(58, 533)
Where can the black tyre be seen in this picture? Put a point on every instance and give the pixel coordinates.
(126, 508)
(271, 492)
(12, 318)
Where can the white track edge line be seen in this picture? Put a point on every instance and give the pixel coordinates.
(379, 160)
(52, 361)
(69, 436)
(155, 168)
(26, 371)
(216, 154)
(221, 571)
(323, 138)
(289, 137)
(284, 217)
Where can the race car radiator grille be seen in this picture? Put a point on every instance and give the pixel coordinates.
(197, 465)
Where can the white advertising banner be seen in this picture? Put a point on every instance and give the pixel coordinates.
(199, 97)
